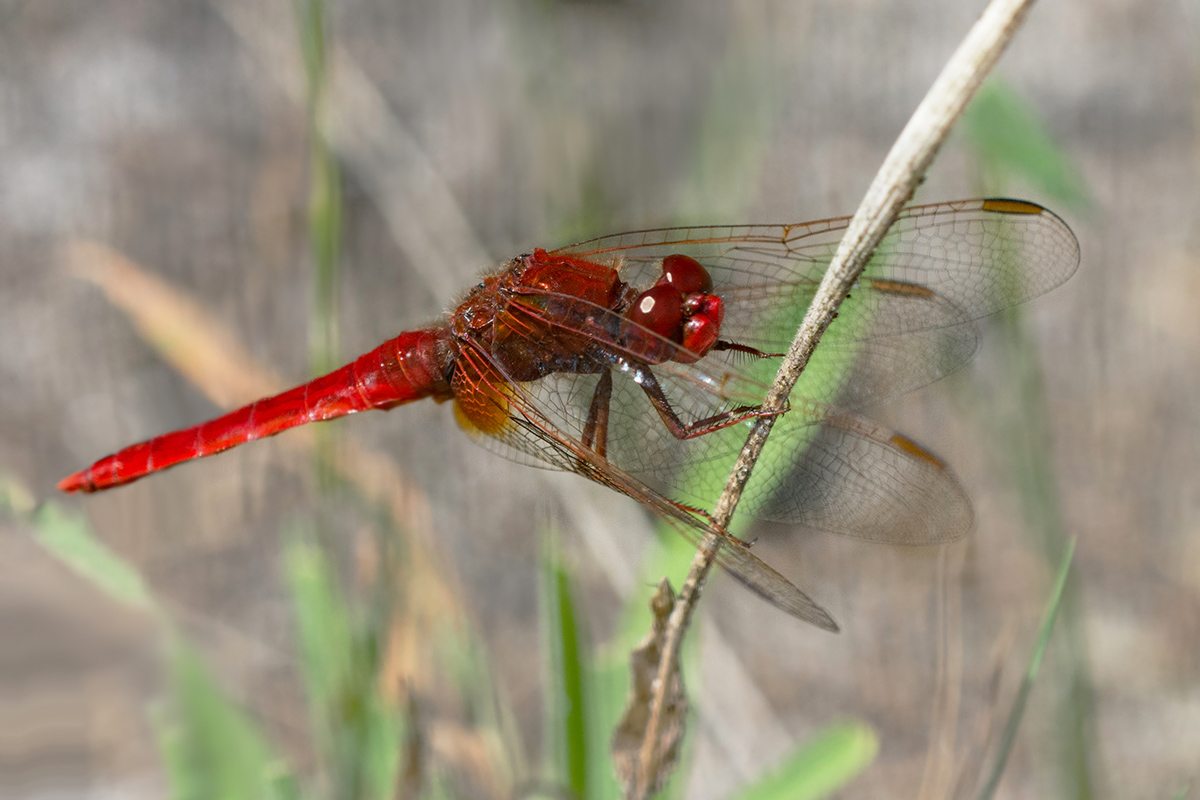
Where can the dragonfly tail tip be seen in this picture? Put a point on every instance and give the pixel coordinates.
(79, 482)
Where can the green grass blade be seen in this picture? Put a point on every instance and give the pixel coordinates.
(1009, 142)
(67, 536)
(567, 695)
(733, 135)
(610, 677)
(325, 199)
(1006, 132)
(324, 219)
(1031, 672)
(821, 767)
(358, 732)
(210, 748)
(322, 620)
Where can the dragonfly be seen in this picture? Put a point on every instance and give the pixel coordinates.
(638, 360)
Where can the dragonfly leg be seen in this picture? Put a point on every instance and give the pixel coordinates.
(690, 430)
(712, 525)
(744, 348)
(595, 432)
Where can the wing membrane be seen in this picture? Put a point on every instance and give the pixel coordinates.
(907, 322)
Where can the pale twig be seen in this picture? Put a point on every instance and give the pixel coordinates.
(894, 184)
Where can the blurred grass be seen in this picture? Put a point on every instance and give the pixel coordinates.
(324, 220)
(1017, 712)
(733, 135)
(1010, 141)
(210, 748)
(325, 192)
(567, 696)
(67, 536)
(583, 703)
(821, 767)
(358, 723)
(1009, 144)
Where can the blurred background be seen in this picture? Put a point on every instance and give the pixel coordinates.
(201, 200)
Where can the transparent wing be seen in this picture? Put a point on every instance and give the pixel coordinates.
(825, 467)
(832, 470)
(906, 323)
(527, 432)
(979, 255)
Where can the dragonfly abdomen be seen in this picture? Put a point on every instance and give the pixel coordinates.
(410, 367)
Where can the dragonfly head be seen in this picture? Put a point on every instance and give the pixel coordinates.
(681, 308)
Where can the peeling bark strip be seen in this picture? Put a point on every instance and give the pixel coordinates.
(626, 743)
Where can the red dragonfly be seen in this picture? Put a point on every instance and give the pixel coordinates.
(634, 360)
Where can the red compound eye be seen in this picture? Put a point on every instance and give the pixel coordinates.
(659, 308)
(708, 305)
(686, 274)
(699, 335)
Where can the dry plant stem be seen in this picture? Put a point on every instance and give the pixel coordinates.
(894, 184)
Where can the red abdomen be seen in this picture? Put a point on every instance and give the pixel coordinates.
(410, 367)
